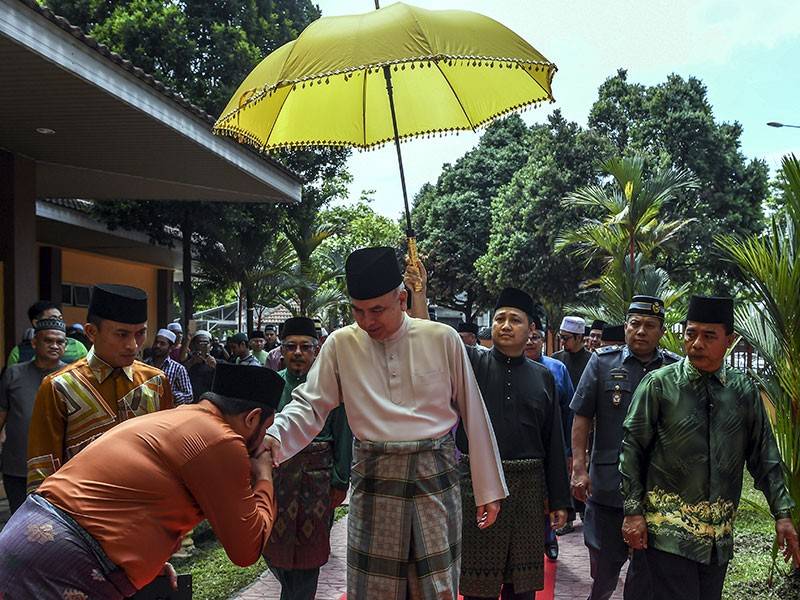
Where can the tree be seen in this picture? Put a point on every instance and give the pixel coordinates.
(672, 124)
(358, 226)
(769, 266)
(453, 218)
(527, 215)
(203, 49)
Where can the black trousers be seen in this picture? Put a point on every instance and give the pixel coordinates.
(507, 594)
(679, 578)
(16, 491)
(297, 584)
(608, 552)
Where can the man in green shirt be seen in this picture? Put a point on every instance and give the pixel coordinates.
(311, 484)
(691, 428)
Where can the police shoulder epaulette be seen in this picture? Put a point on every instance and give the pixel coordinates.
(671, 354)
(608, 349)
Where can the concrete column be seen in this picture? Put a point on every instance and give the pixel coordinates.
(50, 273)
(164, 299)
(17, 244)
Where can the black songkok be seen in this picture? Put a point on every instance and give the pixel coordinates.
(711, 309)
(256, 334)
(468, 328)
(613, 334)
(120, 303)
(649, 306)
(44, 324)
(514, 298)
(299, 326)
(537, 323)
(260, 387)
(239, 338)
(372, 272)
(598, 324)
(587, 330)
(269, 328)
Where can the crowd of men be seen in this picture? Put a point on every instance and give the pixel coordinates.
(466, 452)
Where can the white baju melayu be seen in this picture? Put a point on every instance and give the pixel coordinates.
(399, 392)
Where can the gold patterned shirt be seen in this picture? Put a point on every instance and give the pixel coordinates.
(687, 438)
(82, 401)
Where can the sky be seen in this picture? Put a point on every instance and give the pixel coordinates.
(745, 52)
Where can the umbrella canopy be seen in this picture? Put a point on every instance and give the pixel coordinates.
(450, 70)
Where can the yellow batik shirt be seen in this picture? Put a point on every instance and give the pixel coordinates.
(81, 402)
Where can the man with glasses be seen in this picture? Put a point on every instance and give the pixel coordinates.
(603, 397)
(309, 485)
(18, 389)
(575, 357)
(564, 391)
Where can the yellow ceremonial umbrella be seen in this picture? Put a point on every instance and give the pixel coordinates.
(391, 74)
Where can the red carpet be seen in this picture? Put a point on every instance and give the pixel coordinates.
(548, 592)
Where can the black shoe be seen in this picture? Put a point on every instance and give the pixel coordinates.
(568, 528)
(551, 550)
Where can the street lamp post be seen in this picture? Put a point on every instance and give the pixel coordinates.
(776, 124)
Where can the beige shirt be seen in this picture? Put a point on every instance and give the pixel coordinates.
(411, 386)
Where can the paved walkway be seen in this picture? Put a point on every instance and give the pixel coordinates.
(572, 571)
(332, 578)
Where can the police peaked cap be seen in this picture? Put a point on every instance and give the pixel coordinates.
(649, 306)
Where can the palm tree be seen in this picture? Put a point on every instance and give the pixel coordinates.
(770, 270)
(629, 212)
(626, 237)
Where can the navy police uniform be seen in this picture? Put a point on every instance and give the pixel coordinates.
(604, 395)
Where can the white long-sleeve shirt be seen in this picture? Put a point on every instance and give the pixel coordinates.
(412, 386)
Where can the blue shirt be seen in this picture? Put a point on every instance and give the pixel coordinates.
(565, 391)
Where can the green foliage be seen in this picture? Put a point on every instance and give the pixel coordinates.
(358, 226)
(203, 49)
(627, 234)
(672, 124)
(452, 219)
(769, 266)
(527, 214)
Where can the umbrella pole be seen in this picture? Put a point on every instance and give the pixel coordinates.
(412, 241)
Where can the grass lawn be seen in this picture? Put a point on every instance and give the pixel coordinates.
(214, 576)
(748, 573)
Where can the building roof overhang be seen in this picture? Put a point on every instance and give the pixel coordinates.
(119, 133)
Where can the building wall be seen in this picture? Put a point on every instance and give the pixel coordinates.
(88, 269)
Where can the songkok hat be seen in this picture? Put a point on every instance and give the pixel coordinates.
(598, 324)
(43, 324)
(537, 323)
(121, 303)
(202, 333)
(514, 298)
(256, 334)
(176, 327)
(239, 338)
(260, 387)
(299, 326)
(649, 306)
(711, 309)
(468, 328)
(269, 328)
(167, 335)
(587, 330)
(574, 325)
(372, 272)
(613, 334)
(485, 333)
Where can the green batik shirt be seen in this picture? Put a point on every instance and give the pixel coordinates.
(336, 431)
(686, 440)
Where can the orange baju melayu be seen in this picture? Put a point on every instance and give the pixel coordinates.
(149, 481)
(81, 402)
